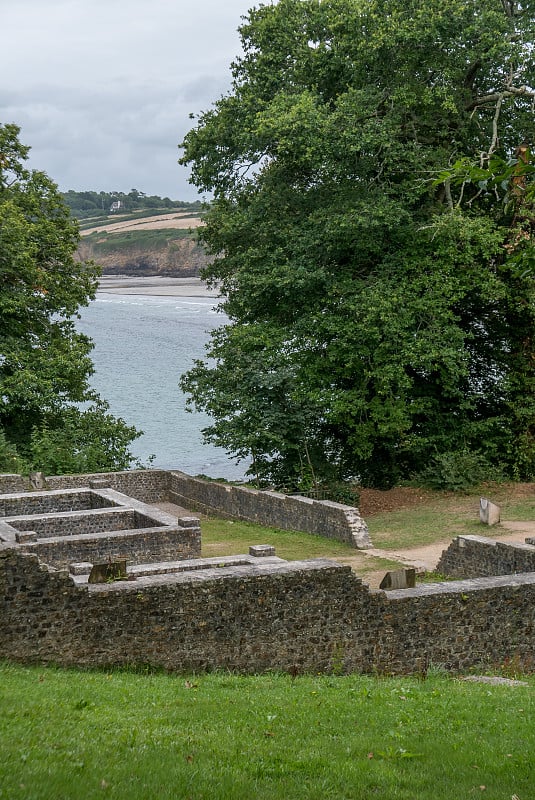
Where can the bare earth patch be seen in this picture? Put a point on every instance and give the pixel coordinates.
(161, 221)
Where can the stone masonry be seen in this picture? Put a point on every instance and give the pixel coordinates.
(307, 616)
(323, 518)
(68, 525)
(247, 613)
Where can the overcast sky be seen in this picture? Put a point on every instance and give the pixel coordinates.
(102, 89)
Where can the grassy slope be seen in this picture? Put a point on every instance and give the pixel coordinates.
(130, 240)
(67, 735)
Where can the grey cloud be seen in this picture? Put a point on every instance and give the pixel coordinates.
(103, 90)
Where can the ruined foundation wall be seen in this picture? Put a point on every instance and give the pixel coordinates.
(312, 616)
(145, 545)
(148, 485)
(475, 556)
(322, 517)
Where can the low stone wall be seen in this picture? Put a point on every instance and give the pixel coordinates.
(325, 518)
(73, 523)
(310, 616)
(23, 503)
(140, 546)
(10, 483)
(474, 556)
(148, 485)
(321, 517)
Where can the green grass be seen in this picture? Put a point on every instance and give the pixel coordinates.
(443, 517)
(225, 537)
(421, 526)
(106, 243)
(231, 538)
(67, 735)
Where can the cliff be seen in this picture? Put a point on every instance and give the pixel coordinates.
(175, 257)
(158, 244)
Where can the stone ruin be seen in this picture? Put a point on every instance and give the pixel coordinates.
(91, 525)
(158, 602)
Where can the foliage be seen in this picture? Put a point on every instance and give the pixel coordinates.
(44, 361)
(459, 471)
(381, 304)
(226, 737)
(83, 441)
(10, 461)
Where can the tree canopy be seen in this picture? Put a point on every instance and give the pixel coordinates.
(44, 362)
(88, 204)
(372, 227)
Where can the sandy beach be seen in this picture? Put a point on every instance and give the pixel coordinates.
(155, 286)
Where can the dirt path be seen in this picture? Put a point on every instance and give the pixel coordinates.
(427, 557)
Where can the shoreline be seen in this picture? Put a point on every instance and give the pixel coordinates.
(155, 285)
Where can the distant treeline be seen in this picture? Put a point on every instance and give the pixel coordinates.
(84, 205)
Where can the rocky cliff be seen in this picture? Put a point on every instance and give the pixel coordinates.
(180, 257)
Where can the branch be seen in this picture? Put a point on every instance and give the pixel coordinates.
(518, 91)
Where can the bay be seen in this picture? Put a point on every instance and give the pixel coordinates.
(143, 344)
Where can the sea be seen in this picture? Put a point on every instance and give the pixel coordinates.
(143, 344)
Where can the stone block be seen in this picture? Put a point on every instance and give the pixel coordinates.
(80, 568)
(99, 483)
(399, 579)
(489, 513)
(23, 537)
(110, 571)
(37, 480)
(261, 550)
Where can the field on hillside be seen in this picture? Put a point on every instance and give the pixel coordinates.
(136, 222)
(144, 244)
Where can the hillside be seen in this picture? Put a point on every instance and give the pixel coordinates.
(137, 234)
(161, 244)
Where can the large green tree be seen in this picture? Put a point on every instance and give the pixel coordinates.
(44, 362)
(379, 311)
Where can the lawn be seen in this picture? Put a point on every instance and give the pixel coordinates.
(226, 537)
(68, 734)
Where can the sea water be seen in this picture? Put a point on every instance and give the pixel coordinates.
(143, 344)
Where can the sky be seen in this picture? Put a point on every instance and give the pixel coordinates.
(102, 89)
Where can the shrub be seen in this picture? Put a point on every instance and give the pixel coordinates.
(458, 471)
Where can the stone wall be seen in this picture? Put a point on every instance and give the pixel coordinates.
(322, 517)
(309, 616)
(145, 546)
(76, 522)
(10, 483)
(474, 556)
(106, 524)
(148, 485)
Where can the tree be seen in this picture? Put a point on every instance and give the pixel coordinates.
(44, 362)
(377, 316)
